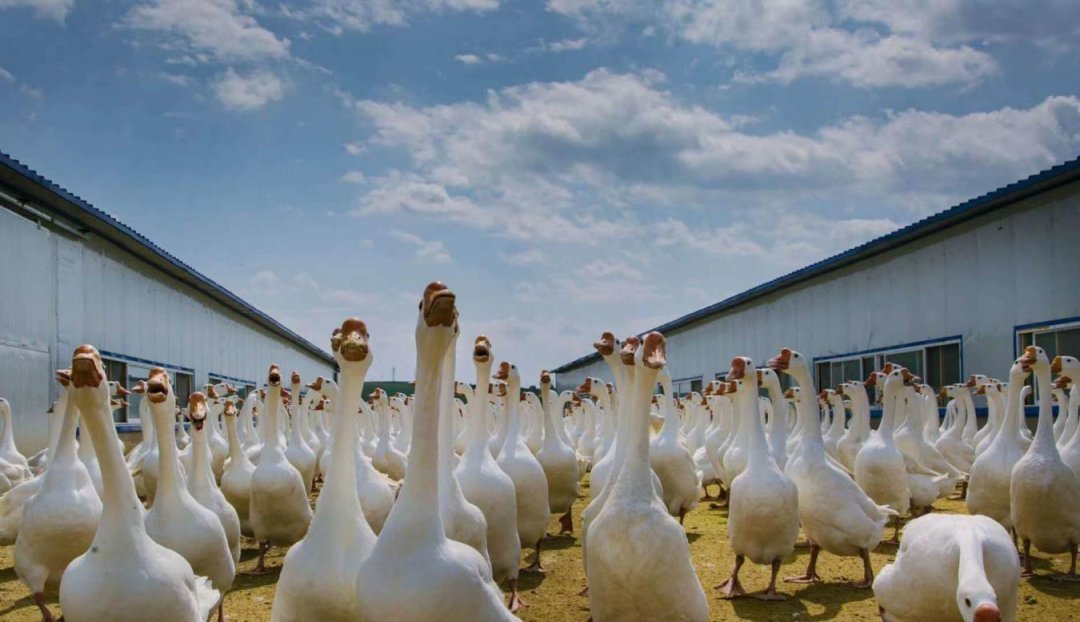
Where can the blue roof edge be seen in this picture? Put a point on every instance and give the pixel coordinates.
(1005, 195)
(216, 291)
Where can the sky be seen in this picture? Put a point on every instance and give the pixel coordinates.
(565, 166)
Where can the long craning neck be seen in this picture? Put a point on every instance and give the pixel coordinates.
(757, 452)
(622, 430)
(1010, 426)
(168, 461)
(447, 414)
(889, 399)
(122, 512)
(778, 422)
(421, 489)
(513, 414)
(200, 454)
(971, 570)
(1044, 434)
(65, 451)
(551, 434)
(670, 430)
(339, 489)
(635, 472)
(247, 418)
(971, 421)
(237, 455)
(478, 406)
(7, 442)
(271, 434)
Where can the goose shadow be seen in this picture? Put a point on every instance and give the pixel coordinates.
(1043, 584)
(832, 596)
(750, 608)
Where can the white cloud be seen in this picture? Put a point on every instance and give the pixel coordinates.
(6, 75)
(54, 9)
(567, 45)
(529, 257)
(224, 29)
(31, 92)
(175, 78)
(363, 15)
(468, 59)
(249, 91)
(871, 44)
(433, 251)
(354, 148)
(354, 177)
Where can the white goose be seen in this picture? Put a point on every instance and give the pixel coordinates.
(415, 572)
(879, 466)
(236, 479)
(8, 452)
(388, 458)
(763, 514)
(177, 520)
(487, 486)
(1070, 445)
(639, 559)
(950, 568)
(558, 459)
(672, 462)
(318, 578)
(125, 575)
(852, 441)
(279, 510)
(59, 521)
(201, 483)
(299, 453)
(991, 473)
(530, 483)
(219, 447)
(1045, 493)
(835, 513)
(462, 520)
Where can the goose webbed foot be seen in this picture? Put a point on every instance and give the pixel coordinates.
(260, 566)
(515, 603)
(1028, 571)
(811, 575)
(566, 523)
(731, 588)
(770, 592)
(536, 567)
(868, 572)
(46, 615)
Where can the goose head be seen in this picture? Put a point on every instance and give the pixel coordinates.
(545, 380)
(605, 346)
(354, 349)
(158, 387)
(1067, 366)
(87, 370)
(978, 602)
(5, 407)
(790, 362)
(768, 378)
(273, 376)
(230, 409)
(742, 373)
(482, 351)
(197, 410)
(629, 348)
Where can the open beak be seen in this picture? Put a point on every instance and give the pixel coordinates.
(354, 342)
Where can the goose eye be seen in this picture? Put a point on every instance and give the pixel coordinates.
(967, 602)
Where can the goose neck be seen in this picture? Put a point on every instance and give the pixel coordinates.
(420, 488)
(168, 461)
(121, 513)
(477, 425)
(1044, 433)
(340, 485)
(65, 442)
(636, 468)
(201, 454)
(237, 454)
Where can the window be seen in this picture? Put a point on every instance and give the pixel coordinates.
(684, 386)
(1057, 338)
(937, 364)
(182, 386)
(117, 372)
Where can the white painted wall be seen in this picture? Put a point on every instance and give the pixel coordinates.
(57, 292)
(979, 279)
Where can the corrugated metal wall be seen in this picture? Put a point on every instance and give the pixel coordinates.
(979, 279)
(57, 292)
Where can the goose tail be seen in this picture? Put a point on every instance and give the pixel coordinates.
(206, 597)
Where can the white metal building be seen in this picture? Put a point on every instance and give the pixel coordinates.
(956, 293)
(72, 274)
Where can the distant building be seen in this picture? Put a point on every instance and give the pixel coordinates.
(72, 274)
(956, 293)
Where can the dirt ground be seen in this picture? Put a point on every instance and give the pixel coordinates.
(554, 596)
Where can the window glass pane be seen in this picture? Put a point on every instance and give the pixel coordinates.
(852, 370)
(182, 386)
(1068, 342)
(135, 373)
(933, 367)
(824, 377)
(1047, 341)
(695, 385)
(911, 359)
(950, 364)
(868, 366)
(117, 371)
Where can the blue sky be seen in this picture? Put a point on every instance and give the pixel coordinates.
(567, 166)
